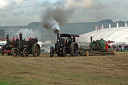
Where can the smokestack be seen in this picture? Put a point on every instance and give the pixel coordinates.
(125, 24)
(117, 24)
(102, 26)
(58, 35)
(91, 38)
(109, 25)
(7, 37)
(20, 35)
(96, 27)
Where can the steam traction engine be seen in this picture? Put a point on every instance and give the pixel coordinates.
(25, 48)
(97, 47)
(101, 46)
(8, 46)
(65, 45)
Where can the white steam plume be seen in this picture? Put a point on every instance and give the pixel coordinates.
(54, 25)
(28, 33)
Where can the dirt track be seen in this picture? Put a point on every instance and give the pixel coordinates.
(43, 70)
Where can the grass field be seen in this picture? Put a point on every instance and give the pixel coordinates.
(79, 70)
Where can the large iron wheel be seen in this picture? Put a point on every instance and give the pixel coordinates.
(14, 52)
(2, 53)
(36, 50)
(63, 51)
(74, 49)
(51, 52)
(25, 52)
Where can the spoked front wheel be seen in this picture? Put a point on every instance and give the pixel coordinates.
(25, 52)
(51, 52)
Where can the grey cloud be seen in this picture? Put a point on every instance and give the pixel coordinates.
(30, 10)
(21, 14)
(103, 9)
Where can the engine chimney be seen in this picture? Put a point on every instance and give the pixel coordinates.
(7, 37)
(58, 35)
(20, 35)
(91, 38)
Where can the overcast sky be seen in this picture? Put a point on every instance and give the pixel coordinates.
(22, 12)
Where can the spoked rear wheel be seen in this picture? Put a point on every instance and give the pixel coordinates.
(36, 50)
(25, 52)
(14, 52)
(74, 49)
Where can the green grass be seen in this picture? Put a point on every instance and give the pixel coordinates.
(7, 83)
(111, 80)
(22, 83)
(17, 80)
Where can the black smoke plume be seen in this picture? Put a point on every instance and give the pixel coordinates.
(58, 14)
